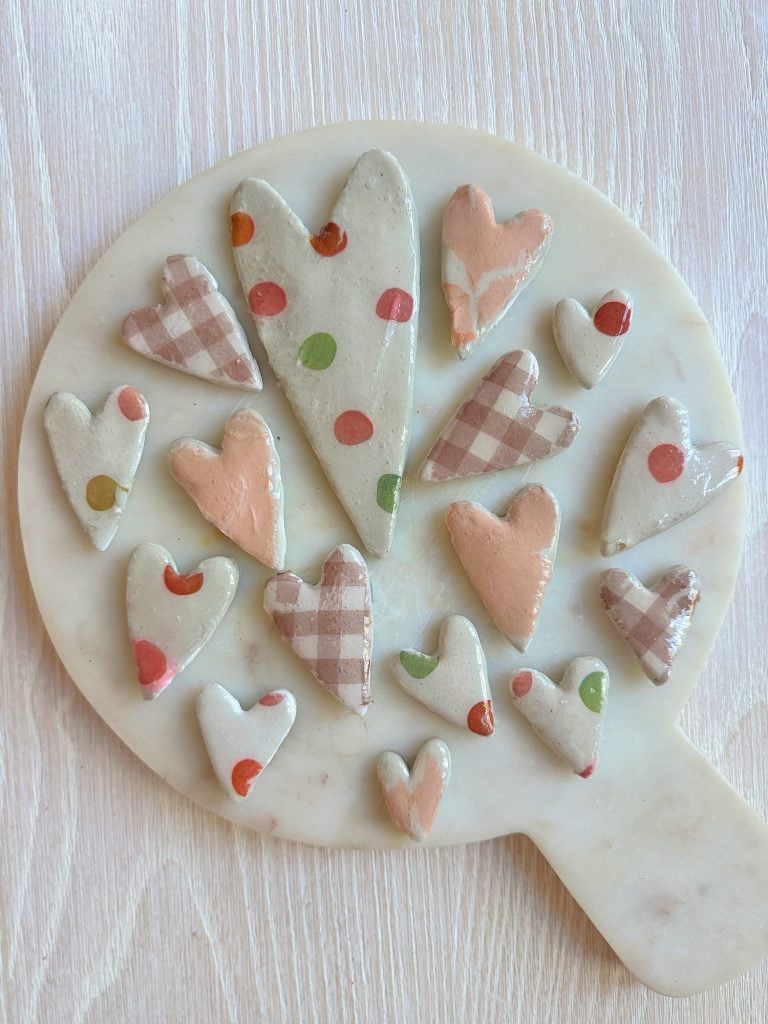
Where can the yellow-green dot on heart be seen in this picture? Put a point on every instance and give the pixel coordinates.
(388, 492)
(418, 665)
(318, 351)
(592, 691)
(100, 492)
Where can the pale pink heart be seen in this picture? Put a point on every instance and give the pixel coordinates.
(413, 798)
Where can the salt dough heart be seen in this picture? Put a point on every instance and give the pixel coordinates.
(171, 617)
(509, 561)
(238, 489)
(97, 456)
(652, 621)
(195, 329)
(455, 683)
(662, 478)
(486, 265)
(329, 625)
(241, 743)
(336, 313)
(413, 798)
(568, 717)
(589, 345)
(498, 426)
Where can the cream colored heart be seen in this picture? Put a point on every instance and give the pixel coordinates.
(590, 344)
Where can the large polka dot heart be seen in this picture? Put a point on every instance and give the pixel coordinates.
(666, 859)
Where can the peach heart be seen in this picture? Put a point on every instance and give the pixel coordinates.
(413, 798)
(239, 489)
(486, 265)
(509, 561)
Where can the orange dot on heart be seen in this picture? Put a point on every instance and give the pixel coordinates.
(150, 661)
(613, 319)
(131, 404)
(243, 228)
(666, 462)
(480, 718)
(329, 241)
(244, 773)
(182, 586)
(353, 427)
(522, 684)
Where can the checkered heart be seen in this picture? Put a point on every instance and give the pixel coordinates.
(652, 621)
(329, 625)
(195, 329)
(499, 427)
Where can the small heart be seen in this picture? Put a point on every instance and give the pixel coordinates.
(413, 798)
(239, 489)
(662, 478)
(652, 621)
(509, 561)
(97, 456)
(195, 329)
(171, 616)
(568, 717)
(328, 625)
(499, 427)
(241, 743)
(589, 345)
(486, 265)
(454, 684)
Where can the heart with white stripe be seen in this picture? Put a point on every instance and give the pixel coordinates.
(590, 344)
(413, 797)
(241, 743)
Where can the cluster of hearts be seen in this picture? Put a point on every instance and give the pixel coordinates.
(336, 312)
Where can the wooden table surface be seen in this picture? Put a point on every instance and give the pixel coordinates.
(120, 901)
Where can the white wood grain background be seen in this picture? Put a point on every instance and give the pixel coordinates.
(119, 900)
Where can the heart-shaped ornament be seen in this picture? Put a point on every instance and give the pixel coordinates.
(194, 330)
(662, 478)
(453, 684)
(170, 616)
(97, 456)
(652, 621)
(509, 561)
(413, 798)
(329, 625)
(241, 743)
(486, 265)
(568, 717)
(498, 426)
(590, 344)
(239, 489)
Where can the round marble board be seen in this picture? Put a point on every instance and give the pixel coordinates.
(321, 787)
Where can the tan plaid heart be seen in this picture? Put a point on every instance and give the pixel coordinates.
(652, 621)
(329, 625)
(499, 427)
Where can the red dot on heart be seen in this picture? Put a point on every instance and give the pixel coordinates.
(131, 404)
(329, 241)
(182, 586)
(522, 684)
(395, 304)
(666, 462)
(243, 228)
(150, 661)
(588, 770)
(353, 427)
(267, 299)
(613, 318)
(740, 464)
(480, 718)
(270, 699)
(243, 774)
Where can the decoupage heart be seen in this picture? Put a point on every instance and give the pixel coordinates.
(498, 426)
(568, 717)
(170, 616)
(662, 478)
(486, 265)
(590, 344)
(455, 683)
(195, 329)
(509, 561)
(413, 798)
(97, 456)
(329, 625)
(336, 313)
(652, 621)
(241, 743)
(238, 489)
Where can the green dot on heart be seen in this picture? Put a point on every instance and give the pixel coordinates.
(417, 664)
(318, 351)
(388, 492)
(592, 691)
